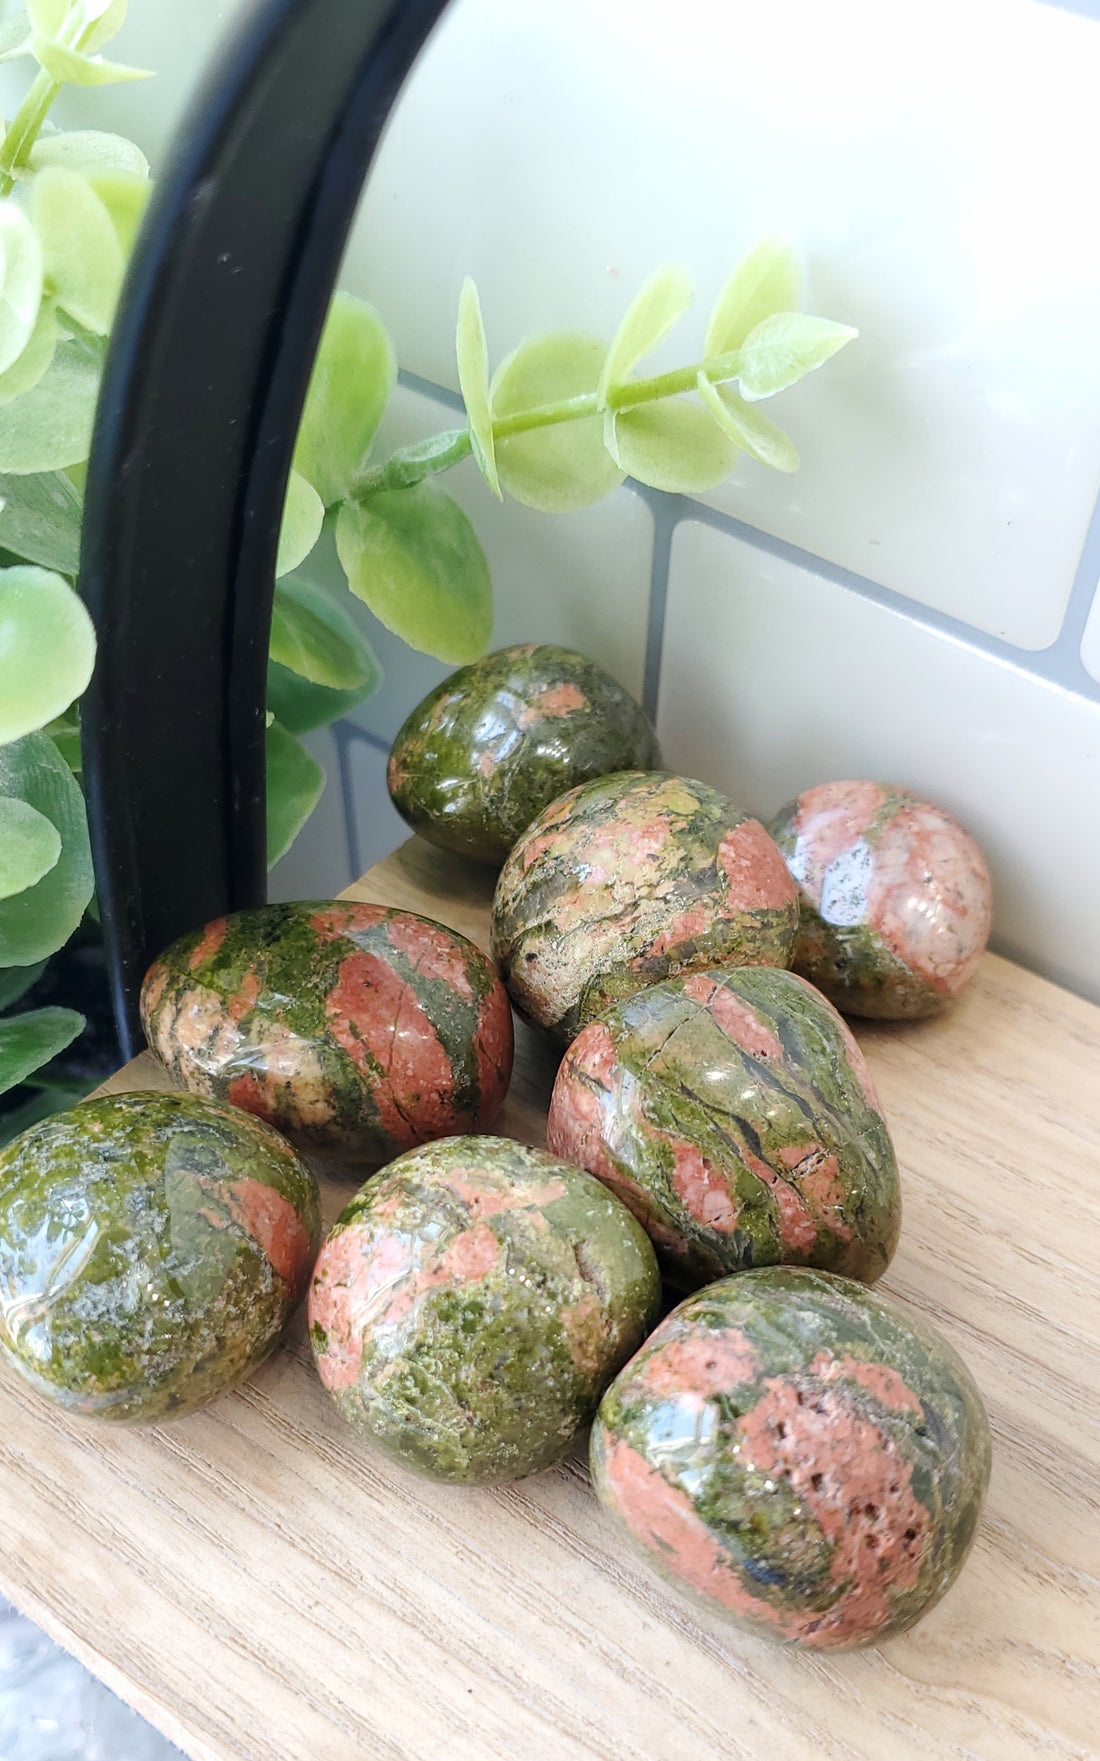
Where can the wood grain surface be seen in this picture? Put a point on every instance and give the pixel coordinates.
(261, 1585)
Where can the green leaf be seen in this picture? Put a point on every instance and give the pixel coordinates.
(566, 465)
(301, 707)
(47, 649)
(97, 21)
(34, 363)
(766, 280)
(316, 638)
(51, 426)
(29, 846)
(15, 37)
(125, 197)
(673, 445)
(653, 312)
(303, 517)
(89, 151)
(414, 558)
(473, 380)
(70, 67)
(294, 784)
(29, 1041)
(16, 981)
(35, 923)
(81, 256)
(747, 427)
(784, 347)
(20, 282)
(353, 375)
(40, 520)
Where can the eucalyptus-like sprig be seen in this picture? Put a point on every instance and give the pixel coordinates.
(559, 424)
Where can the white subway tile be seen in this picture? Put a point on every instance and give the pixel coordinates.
(775, 678)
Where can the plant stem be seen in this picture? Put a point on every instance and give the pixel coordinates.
(413, 463)
(25, 127)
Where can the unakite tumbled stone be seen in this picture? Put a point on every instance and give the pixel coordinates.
(799, 1453)
(472, 1303)
(497, 741)
(356, 1029)
(895, 898)
(629, 880)
(735, 1115)
(152, 1248)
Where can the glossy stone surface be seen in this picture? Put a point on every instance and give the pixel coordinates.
(473, 1302)
(629, 880)
(152, 1248)
(895, 898)
(733, 1112)
(800, 1453)
(356, 1029)
(495, 743)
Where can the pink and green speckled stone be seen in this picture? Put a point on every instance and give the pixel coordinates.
(799, 1454)
(356, 1029)
(497, 741)
(895, 898)
(152, 1248)
(734, 1113)
(472, 1304)
(632, 879)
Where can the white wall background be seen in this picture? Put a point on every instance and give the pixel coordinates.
(920, 602)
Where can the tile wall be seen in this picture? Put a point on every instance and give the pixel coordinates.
(920, 602)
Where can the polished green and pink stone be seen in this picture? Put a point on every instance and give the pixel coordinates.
(497, 741)
(895, 898)
(152, 1248)
(357, 1029)
(734, 1113)
(473, 1302)
(797, 1453)
(627, 881)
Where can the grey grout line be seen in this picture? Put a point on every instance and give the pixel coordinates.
(1048, 663)
(347, 734)
(1058, 664)
(428, 388)
(665, 518)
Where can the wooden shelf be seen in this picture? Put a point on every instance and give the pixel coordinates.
(260, 1585)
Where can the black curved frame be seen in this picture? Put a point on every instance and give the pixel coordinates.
(202, 393)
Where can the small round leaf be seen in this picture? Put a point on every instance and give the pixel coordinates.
(353, 375)
(47, 649)
(650, 315)
(20, 282)
(673, 445)
(51, 426)
(81, 256)
(473, 379)
(786, 346)
(89, 151)
(766, 280)
(70, 67)
(35, 361)
(566, 465)
(748, 427)
(413, 557)
(125, 196)
(303, 517)
(38, 921)
(29, 845)
(300, 706)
